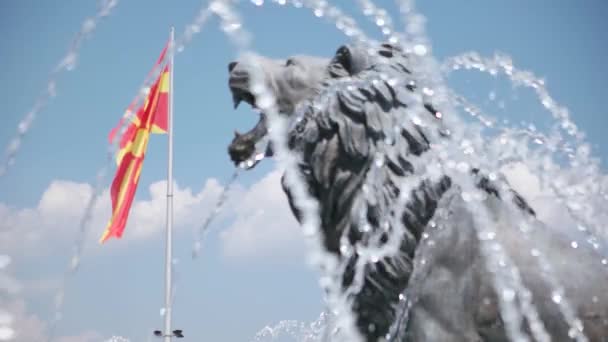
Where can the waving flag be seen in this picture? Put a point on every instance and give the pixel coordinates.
(151, 117)
(130, 108)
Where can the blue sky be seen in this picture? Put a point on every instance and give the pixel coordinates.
(235, 288)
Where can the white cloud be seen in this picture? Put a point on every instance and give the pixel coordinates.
(55, 220)
(148, 217)
(264, 225)
(23, 326)
(26, 327)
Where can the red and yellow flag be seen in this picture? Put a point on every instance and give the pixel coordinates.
(151, 117)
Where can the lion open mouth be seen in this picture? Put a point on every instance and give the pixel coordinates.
(239, 95)
(244, 149)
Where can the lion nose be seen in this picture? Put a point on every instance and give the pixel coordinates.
(231, 66)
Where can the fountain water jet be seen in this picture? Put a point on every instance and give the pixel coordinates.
(457, 157)
(67, 63)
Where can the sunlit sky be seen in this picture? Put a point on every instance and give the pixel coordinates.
(252, 271)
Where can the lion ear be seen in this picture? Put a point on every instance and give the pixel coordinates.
(341, 64)
(349, 61)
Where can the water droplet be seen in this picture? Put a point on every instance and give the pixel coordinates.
(379, 161)
(574, 244)
(52, 89)
(365, 189)
(389, 140)
(385, 225)
(487, 235)
(258, 2)
(74, 262)
(534, 252)
(462, 167)
(572, 333)
(508, 295)
(265, 101)
(401, 296)
(556, 297)
(420, 49)
(604, 261)
(428, 91)
(344, 249)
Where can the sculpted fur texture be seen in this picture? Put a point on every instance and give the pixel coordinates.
(341, 141)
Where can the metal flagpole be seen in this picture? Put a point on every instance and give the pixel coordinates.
(169, 242)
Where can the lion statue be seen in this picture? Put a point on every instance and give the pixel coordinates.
(337, 140)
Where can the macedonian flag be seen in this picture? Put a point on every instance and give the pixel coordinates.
(151, 117)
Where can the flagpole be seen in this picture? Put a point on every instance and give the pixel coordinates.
(169, 243)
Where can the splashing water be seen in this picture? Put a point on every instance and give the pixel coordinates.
(294, 330)
(200, 233)
(117, 339)
(579, 186)
(231, 25)
(475, 151)
(74, 262)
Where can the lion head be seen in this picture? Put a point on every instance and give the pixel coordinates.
(292, 81)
